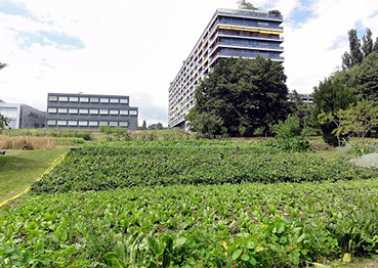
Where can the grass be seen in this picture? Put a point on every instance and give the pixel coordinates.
(19, 169)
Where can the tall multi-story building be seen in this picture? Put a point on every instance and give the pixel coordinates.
(22, 116)
(90, 111)
(230, 33)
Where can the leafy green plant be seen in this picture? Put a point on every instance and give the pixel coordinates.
(249, 225)
(129, 164)
(290, 135)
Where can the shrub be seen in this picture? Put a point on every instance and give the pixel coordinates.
(290, 136)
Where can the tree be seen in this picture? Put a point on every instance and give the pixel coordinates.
(240, 96)
(360, 119)
(2, 65)
(156, 126)
(332, 95)
(243, 4)
(375, 48)
(355, 48)
(144, 125)
(3, 122)
(366, 78)
(347, 61)
(367, 43)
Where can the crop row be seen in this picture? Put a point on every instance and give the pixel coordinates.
(250, 225)
(109, 167)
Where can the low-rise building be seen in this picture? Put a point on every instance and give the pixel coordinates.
(90, 111)
(22, 116)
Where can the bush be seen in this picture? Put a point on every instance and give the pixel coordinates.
(282, 225)
(166, 163)
(290, 136)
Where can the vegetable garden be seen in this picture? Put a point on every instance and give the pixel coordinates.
(193, 203)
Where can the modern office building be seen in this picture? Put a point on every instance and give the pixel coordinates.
(90, 111)
(230, 33)
(22, 116)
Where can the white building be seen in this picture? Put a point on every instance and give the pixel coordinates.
(22, 116)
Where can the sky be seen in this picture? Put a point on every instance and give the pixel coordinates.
(135, 48)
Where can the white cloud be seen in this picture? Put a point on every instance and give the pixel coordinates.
(137, 47)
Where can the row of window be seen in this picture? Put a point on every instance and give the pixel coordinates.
(74, 123)
(91, 111)
(87, 99)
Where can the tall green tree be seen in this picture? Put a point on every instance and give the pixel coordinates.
(332, 94)
(243, 4)
(347, 61)
(240, 96)
(355, 48)
(366, 78)
(367, 43)
(375, 48)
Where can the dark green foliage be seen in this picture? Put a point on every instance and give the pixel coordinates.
(366, 78)
(367, 43)
(355, 48)
(347, 61)
(3, 122)
(332, 95)
(282, 225)
(166, 163)
(2, 65)
(240, 96)
(243, 4)
(289, 135)
(375, 49)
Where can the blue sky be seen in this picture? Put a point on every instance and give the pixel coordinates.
(136, 47)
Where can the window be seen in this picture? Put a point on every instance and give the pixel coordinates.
(51, 110)
(133, 112)
(104, 111)
(124, 101)
(62, 110)
(93, 123)
(103, 123)
(72, 123)
(53, 98)
(51, 122)
(104, 100)
(113, 124)
(94, 100)
(63, 98)
(112, 100)
(93, 111)
(74, 99)
(114, 112)
(83, 111)
(73, 111)
(84, 99)
(124, 112)
(123, 124)
(83, 123)
(61, 123)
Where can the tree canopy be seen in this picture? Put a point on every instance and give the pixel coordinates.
(243, 4)
(240, 96)
(2, 65)
(3, 121)
(358, 50)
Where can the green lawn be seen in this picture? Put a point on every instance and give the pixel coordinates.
(18, 169)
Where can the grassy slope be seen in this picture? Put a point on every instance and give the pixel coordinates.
(18, 169)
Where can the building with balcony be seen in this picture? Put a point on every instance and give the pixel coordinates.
(230, 33)
(90, 111)
(22, 116)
